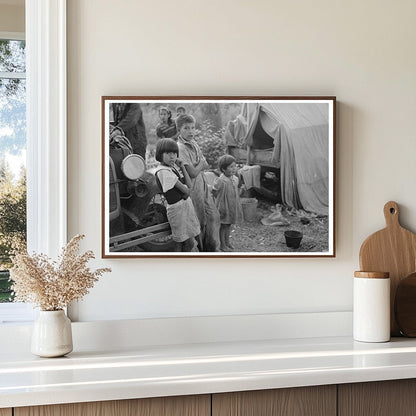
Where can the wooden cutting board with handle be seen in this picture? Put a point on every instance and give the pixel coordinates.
(393, 250)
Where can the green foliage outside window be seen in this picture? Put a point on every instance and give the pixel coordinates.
(12, 147)
(12, 224)
(6, 294)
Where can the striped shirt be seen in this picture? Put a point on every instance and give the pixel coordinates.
(164, 130)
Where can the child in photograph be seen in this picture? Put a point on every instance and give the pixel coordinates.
(180, 111)
(167, 127)
(227, 199)
(174, 181)
(195, 164)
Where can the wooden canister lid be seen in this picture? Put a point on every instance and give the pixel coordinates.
(372, 275)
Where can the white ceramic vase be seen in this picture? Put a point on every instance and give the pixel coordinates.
(52, 334)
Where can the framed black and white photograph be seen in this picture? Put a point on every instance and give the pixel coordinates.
(218, 176)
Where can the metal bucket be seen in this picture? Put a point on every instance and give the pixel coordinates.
(249, 206)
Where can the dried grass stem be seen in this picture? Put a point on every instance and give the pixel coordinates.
(53, 285)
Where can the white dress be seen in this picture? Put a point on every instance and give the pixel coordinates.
(181, 215)
(227, 199)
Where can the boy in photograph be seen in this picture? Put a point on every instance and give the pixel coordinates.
(195, 163)
(180, 111)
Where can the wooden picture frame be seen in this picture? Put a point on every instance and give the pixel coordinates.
(281, 186)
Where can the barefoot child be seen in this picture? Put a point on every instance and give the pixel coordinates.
(195, 164)
(174, 181)
(227, 199)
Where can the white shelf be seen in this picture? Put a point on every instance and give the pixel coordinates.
(151, 371)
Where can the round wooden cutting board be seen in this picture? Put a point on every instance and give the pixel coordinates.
(392, 250)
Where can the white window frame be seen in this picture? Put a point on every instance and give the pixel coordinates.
(46, 125)
(46, 133)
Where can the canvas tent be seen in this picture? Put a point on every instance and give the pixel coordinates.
(295, 135)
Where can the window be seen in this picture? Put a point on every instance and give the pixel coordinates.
(46, 135)
(12, 156)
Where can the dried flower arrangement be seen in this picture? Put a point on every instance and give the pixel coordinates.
(53, 285)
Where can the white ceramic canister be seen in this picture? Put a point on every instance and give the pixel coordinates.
(371, 309)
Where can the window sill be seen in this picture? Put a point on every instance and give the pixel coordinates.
(16, 313)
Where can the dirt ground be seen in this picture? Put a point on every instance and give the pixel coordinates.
(254, 236)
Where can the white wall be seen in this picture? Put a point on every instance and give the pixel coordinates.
(12, 18)
(363, 52)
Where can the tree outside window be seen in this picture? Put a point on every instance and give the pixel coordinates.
(12, 156)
